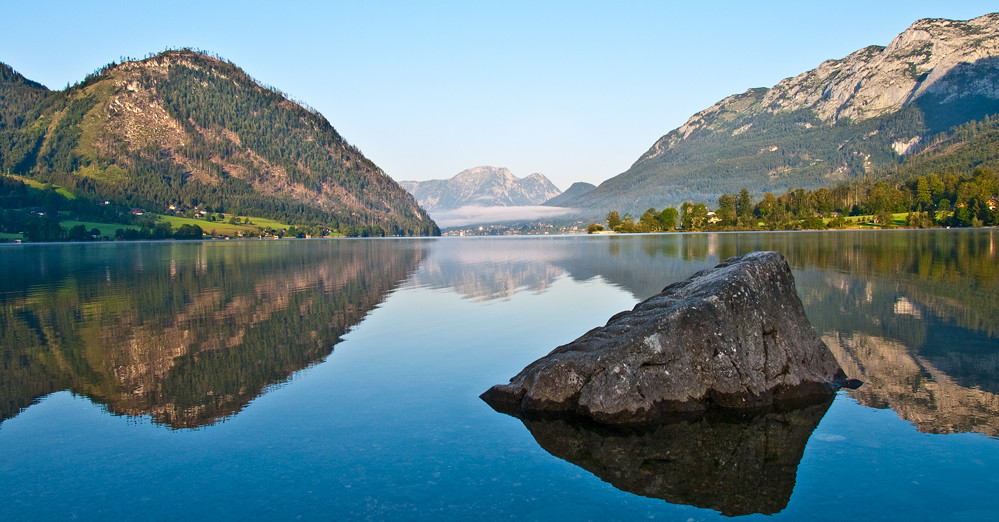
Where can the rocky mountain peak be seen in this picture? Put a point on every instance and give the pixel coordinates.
(932, 56)
(485, 174)
(878, 80)
(482, 186)
(858, 115)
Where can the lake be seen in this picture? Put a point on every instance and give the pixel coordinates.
(339, 379)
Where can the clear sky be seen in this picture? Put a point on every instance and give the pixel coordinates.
(574, 90)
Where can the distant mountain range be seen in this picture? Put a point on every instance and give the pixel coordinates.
(864, 114)
(187, 129)
(482, 186)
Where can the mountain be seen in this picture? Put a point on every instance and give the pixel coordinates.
(962, 149)
(17, 96)
(847, 118)
(192, 130)
(482, 186)
(577, 189)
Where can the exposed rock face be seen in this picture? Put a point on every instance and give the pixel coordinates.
(846, 118)
(734, 336)
(482, 186)
(874, 80)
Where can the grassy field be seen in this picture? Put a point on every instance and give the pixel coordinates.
(107, 229)
(224, 227)
(41, 186)
(898, 220)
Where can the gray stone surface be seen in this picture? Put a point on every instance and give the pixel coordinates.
(735, 336)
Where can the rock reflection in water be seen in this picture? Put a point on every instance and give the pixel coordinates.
(734, 464)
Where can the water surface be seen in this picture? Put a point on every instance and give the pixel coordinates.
(340, 380)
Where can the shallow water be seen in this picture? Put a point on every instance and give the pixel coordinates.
(339, 380)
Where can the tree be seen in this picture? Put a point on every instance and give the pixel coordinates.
(772, 212)
(726, 212)
(162, 230)
(685, 217)
(613, 219)
(744, 209)
(694, 216)
(593, 228)
(78, 233)
(885, 219)
(936, 187)
(823, 200)
(924, 196)
(627, 226)
(649, 222)
(668, 218)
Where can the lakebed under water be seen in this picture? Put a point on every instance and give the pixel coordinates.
(339, 379)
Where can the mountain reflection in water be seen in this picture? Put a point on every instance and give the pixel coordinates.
(734, 464)
(913, 314)
(184, 335)
(187, 333)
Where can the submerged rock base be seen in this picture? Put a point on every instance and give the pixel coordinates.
(735, 336)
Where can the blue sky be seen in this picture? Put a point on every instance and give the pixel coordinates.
(574, 90)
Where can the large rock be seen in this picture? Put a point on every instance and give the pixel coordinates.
(734, 336)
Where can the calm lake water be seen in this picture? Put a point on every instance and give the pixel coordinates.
(339, 379)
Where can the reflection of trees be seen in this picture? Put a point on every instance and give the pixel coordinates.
(952, 273)
(737, 465)
(931, 292)
(186, 333)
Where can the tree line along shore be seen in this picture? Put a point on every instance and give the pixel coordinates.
(935, 200)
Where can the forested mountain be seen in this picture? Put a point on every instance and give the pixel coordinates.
(963, 148)
(187, 129)
(575, 190)
(482, 186)
(859, 115)
(17, 96)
